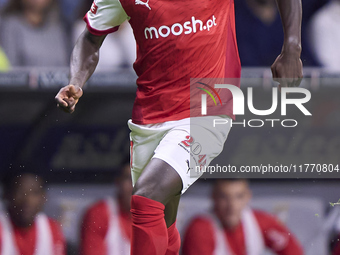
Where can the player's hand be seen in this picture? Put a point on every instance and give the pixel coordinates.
(68, 97)
(287, 69)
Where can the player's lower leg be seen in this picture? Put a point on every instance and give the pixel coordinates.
(174, 240)
(157, 186)
(149, 231)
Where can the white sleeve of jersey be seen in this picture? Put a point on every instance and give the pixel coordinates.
(105, 16)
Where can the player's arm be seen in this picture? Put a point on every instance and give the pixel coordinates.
(287, 68)
(84, 60)
(104, 17)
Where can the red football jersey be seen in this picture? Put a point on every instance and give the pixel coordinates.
(176, 41)
(276, 237)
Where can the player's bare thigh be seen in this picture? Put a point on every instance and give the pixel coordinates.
(158, 181)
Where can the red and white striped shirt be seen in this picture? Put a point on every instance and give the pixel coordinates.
(106, 230)
(201, 237)
(43, 237)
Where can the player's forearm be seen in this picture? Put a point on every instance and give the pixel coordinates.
(84, 58)
(291, 16)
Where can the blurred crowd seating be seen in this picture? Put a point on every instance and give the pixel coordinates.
(30, 29)
(307, 213)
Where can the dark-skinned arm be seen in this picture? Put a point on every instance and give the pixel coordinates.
(287, 68)
(84, 60)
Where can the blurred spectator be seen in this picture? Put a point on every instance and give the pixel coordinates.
(309, 7)
(234, 228)
(259, 31)
(70, 10)
(325, 35)
(24, 229)
(118, 49)
(260, 34)
(4, 64)
(32, 35)
(2, 3)
(106, 227)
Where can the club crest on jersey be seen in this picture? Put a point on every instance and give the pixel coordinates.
(94, 8)
(146, 4)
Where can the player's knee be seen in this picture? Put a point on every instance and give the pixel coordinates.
(147, 190)
(156, 191)
(159, 182)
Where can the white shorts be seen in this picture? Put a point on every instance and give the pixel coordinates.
(184, 144)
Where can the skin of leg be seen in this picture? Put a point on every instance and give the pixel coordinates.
(160, 182)
(170, 212)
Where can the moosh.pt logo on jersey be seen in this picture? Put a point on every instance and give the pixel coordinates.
(192, 26)
(239, 103)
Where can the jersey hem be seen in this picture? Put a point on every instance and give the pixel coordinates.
(174, 118)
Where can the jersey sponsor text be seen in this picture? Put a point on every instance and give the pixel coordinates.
(177, 29)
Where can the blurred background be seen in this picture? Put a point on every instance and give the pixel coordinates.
(79, 155)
